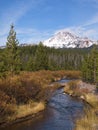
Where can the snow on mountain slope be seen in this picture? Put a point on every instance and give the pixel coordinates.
(68, 40)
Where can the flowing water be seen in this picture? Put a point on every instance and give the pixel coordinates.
(60, 114)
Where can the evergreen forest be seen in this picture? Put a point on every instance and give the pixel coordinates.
(15, 58)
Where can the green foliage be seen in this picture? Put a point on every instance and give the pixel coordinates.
(41, 58)
(12, 53)
(2, 64)
(90, 66)
(38, 57)
(30, 64)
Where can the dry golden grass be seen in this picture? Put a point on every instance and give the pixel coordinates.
(27, 110)
(42, 77)
(72, 88)
(88, 122)
(92, 99)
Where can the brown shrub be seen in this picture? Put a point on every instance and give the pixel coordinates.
(22, 88)
(6, 106)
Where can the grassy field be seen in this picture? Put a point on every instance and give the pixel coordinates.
(28, 92)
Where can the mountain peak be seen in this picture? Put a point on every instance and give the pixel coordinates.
(68, 40)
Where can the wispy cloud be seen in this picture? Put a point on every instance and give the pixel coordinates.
(82, 31)
(13, 13)
(85, 1)
(28, 35)
(93, 20)
(33, 35)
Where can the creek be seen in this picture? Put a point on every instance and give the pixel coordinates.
(60, 114)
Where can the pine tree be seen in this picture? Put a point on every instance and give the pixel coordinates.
(90, 66)
(30, 64)
(2, 65)
(12, 53)
(84, 68)
(94, 64)
(41, 58)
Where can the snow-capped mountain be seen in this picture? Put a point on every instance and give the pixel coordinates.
(68, 40)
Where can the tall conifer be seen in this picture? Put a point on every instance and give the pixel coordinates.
(41, 58)
(12, 53)
(90, 66)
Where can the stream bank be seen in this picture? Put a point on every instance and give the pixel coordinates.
(86, 92)
(61, 112)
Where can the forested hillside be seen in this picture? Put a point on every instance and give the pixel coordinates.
(54, 59)
(39, 57)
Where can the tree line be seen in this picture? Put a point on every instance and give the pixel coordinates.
(15, 58)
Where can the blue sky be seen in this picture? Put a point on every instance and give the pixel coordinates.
(37, 20)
